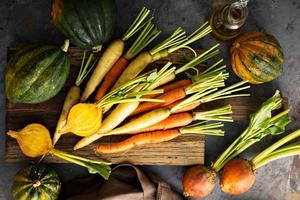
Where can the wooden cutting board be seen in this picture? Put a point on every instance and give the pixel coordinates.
(184, 150)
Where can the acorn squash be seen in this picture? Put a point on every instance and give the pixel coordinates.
(36, 182)
(36, 73)
(257, 57)
(86, 23)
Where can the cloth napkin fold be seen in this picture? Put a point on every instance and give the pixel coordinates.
(127, 182)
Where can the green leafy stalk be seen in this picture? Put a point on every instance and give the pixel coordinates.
(135, 89)
(225, 93)
(213, 51)
(93, 166)
(204, 129)
(177, 37)
(218, 114)
(196, 35)
(275, 126)
(210, 93)
(85, 68)
(209, 72)
(261, 124)
(148, 34)
(210, 82)
(137, 24)
(124, 89)
(161, 76)
(128, 100)
(292, 150)
(157, 77)
(274, 151)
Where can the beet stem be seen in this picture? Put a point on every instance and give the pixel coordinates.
(264, 154)
(276, 156)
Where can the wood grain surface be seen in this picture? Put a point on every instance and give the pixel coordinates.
(184, 150)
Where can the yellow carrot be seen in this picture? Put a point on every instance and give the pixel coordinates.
(72, 98)
(148, 34)
(176, 41)
(117, 116)
(111, 55)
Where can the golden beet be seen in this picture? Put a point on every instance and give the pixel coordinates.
(83, 119)
(34, 140)
(237, 177)
(198, 181)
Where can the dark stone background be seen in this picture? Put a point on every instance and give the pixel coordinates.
(24, 22)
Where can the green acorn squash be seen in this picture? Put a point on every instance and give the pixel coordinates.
(36, 73)
(86, 23)
(36, 182)
(257, 57)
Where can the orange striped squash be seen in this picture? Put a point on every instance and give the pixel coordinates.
(256, 57)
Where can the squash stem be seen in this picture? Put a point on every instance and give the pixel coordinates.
(97, 48)
(65, 46)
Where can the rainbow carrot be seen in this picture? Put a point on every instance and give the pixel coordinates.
(160, 136)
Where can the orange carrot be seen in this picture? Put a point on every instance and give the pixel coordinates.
(168, 97)
(177, 84)
(138, 140)
(173, 121)
(172, 86)
(111, 77)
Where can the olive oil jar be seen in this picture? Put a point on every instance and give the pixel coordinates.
(226, 22)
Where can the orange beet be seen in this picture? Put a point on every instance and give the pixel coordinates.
(198, 181)
(237, 177)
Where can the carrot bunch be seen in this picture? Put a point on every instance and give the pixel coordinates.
(205, 94)
(152, 106)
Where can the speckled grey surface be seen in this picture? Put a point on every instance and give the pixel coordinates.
(28, 21)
